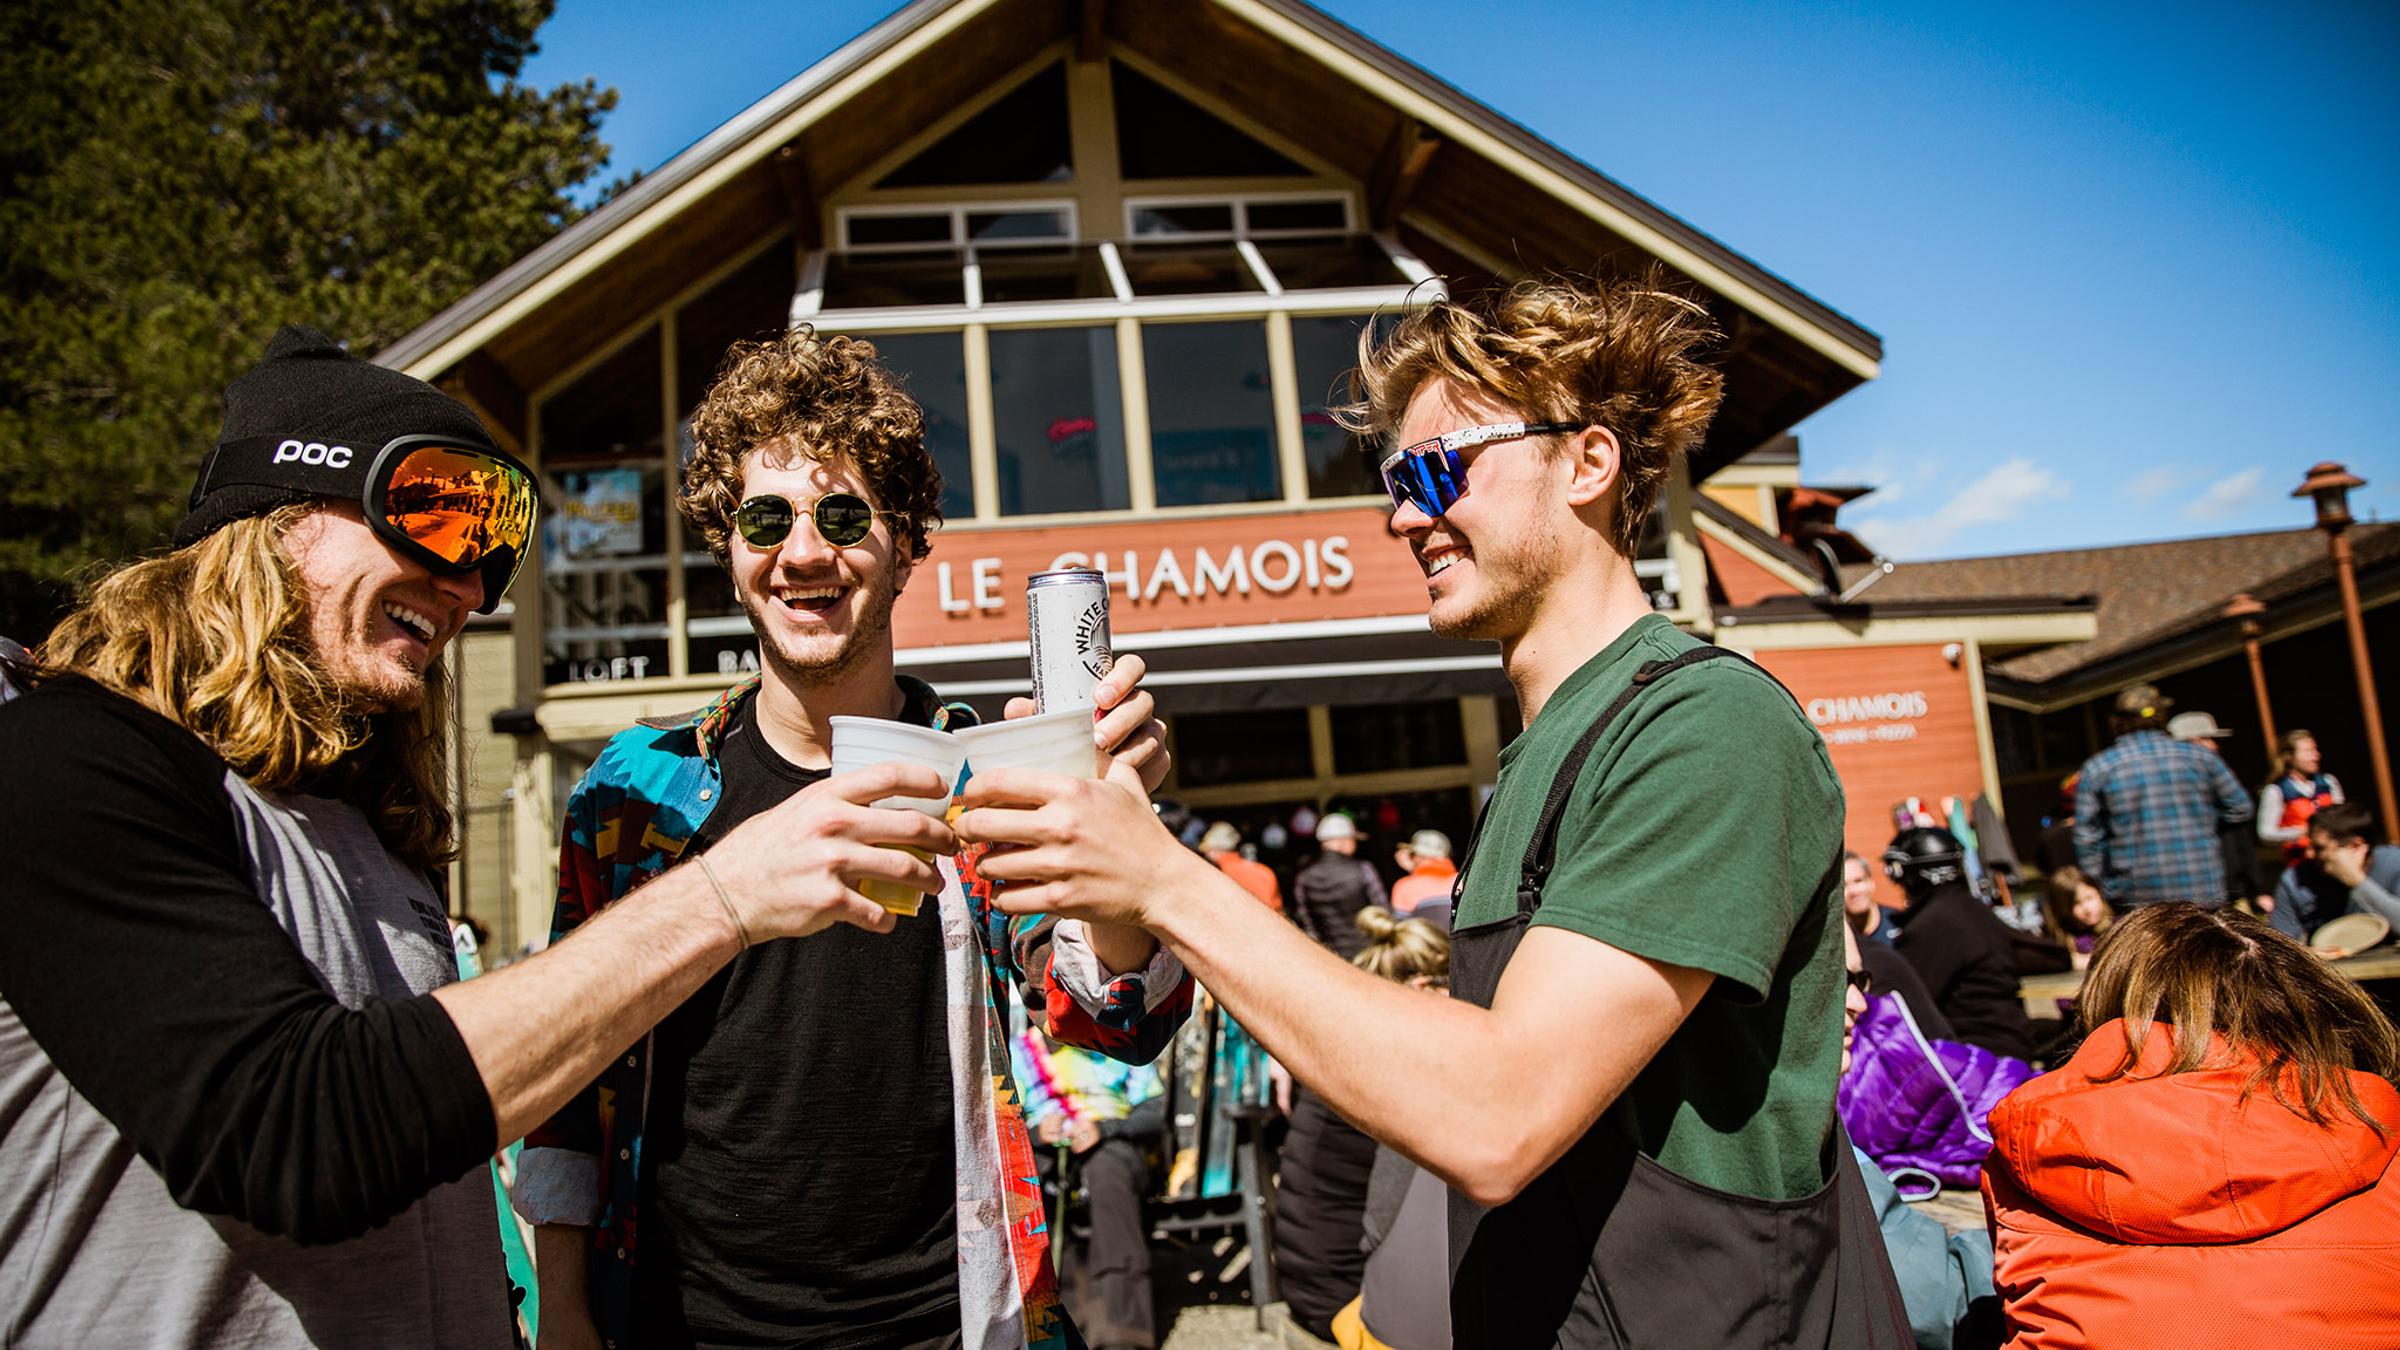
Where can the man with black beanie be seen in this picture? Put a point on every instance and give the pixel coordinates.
(243, 1098)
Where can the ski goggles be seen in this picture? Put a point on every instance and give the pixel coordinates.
(1432, 476)
(458, 509)
(841, 518)
(455, 507)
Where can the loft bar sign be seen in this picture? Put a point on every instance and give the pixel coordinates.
(1139, 577)
(1863, 719)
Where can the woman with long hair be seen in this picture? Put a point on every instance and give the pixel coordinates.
(2075, 915)
(2213, 1167)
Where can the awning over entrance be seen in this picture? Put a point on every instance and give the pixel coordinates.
(1202, 672)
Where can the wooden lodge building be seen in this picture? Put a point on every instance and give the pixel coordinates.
(1122, 253)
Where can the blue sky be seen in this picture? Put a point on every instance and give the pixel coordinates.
(2134, 265)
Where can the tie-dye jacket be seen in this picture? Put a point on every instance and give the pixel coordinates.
(630, 819)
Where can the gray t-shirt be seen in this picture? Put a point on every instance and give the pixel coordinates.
(94, 1252)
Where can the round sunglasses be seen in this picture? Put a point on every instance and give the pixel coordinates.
(841, 518)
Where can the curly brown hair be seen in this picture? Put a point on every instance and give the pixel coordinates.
(1624, 355)
(820, 397)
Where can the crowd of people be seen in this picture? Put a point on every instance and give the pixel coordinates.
(1649, 1063)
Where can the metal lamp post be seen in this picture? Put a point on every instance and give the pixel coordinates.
(2329, 483)
(2244, 610)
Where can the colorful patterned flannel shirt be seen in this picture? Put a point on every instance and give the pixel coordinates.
(630, 818)
(2147, 814)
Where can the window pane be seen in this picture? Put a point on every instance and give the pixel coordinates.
(985, 227)
(917, 229)
(1212, 417)
(604, 575)
(934, 367)
(1187, 269)
(1325, 215)
(753, 303)
(1162, 134)
(1328, 264)
(721, 640)
(880, 280)
(1017, 274)
(1163, 220)
(1022, 138)
(1376, 737)
(1059, 420)
(1241, 747)
(1324, 353)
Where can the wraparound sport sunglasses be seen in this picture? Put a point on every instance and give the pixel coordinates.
(1432, 476)
(841, 518)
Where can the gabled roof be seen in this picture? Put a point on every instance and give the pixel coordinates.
(1325, 89)
(2149, 594)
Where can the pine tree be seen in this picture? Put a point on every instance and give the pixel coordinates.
(179, 178)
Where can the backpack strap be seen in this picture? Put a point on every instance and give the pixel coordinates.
(1541, 850)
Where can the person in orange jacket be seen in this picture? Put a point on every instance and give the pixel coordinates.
(2214, 1167)
(1223, 845)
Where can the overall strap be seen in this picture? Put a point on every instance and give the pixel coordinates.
(1540, 851)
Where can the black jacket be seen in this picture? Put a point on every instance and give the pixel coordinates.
(1327, 896)
(1968, 960)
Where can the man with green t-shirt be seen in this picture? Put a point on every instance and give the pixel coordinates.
(1631, 1091)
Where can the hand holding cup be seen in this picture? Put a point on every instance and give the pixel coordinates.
(800, 867)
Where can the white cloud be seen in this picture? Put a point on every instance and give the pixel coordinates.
(1894, 476)
(1996, 498)
(2153, 485)
(2227, 496)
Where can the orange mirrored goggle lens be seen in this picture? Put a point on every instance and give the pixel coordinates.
(461, 505)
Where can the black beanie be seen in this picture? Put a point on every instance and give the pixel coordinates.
(308, 421)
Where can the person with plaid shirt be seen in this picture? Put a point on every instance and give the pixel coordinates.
(2148, 810)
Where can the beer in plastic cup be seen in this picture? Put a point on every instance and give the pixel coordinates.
(863, 742)
(1059, 742)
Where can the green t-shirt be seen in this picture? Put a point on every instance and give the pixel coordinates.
(1705, 831)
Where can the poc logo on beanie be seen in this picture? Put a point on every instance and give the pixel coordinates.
(313, 452)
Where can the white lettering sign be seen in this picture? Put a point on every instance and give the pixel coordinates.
(611, 668)
(1826, 712)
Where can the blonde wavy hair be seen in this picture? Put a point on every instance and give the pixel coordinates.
(215, 637)
(821, 397)
(1625, 355)
(1404, 951)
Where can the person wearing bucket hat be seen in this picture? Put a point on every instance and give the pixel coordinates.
(243, 1084)
(2151, 810)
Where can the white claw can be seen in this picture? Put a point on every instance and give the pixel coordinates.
(1066, 620)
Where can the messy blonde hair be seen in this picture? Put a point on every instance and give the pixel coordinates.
(1624, 355)
(2221, 972)
(215, 637)
(818, 397)
(1402, 950)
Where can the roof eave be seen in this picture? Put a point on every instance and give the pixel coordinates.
(528, 271)
(1861, 341)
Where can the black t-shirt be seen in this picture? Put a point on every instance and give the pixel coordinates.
(799, 1183)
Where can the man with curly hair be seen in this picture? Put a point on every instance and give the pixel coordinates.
(1631, 1090)
(821, 1146)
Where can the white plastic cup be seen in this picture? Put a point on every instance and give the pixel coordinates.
(1059, 742)
(864, 742)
